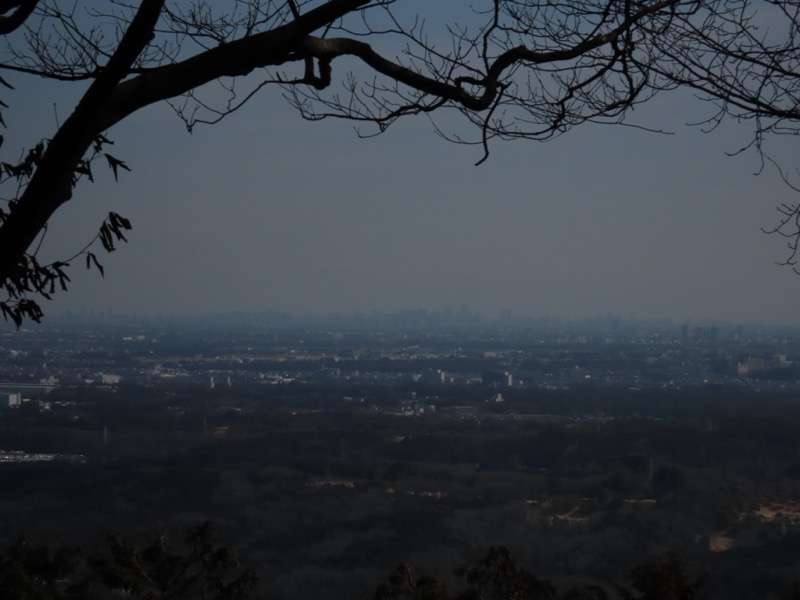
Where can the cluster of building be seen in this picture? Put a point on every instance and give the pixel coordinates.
(34, 361)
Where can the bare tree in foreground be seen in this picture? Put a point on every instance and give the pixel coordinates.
(510, 68)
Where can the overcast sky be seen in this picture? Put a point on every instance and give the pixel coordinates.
(266, 211)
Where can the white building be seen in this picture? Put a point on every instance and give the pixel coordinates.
(110, 379)
(10, 400)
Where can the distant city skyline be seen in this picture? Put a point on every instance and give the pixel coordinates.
(461, 318)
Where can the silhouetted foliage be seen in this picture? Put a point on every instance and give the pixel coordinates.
(39, 572)
(663, 580)
(159, 571)
(499, 577)
(200, 568)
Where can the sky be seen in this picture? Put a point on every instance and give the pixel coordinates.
(265, 211)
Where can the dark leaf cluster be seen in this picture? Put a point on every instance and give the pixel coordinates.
(24, 169)
(111, 231)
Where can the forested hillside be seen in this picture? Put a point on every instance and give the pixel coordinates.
(580, 487)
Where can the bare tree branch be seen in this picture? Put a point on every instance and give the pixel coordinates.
(511, 68)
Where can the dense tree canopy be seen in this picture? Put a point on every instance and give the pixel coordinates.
(159, 570)
(510, 68)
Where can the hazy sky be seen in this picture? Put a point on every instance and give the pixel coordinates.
(266, 211)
